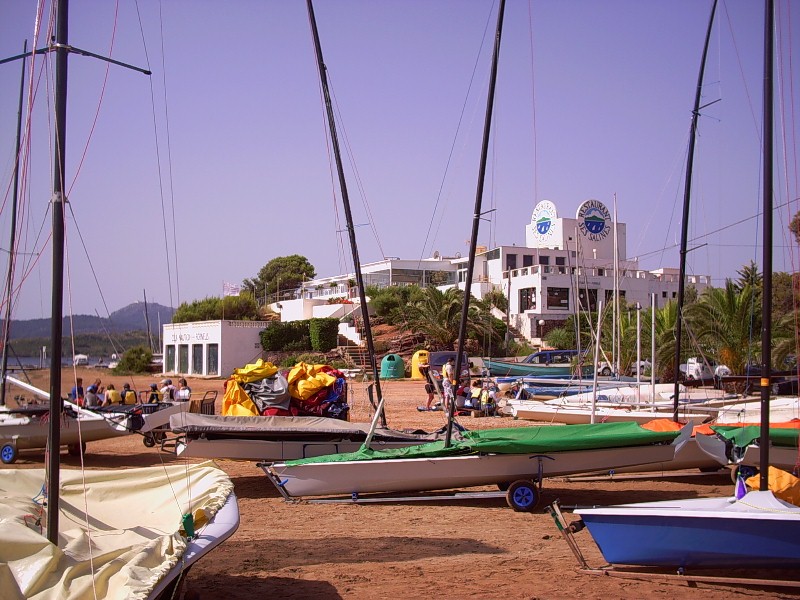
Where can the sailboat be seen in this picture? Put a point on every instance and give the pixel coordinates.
(517, 458)
(753, 529)
(26, 426)
(115, 533)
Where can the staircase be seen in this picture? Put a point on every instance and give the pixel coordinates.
(358, 355)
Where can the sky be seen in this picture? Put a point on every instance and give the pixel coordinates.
(220, 162)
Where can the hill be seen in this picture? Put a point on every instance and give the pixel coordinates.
(127, 319)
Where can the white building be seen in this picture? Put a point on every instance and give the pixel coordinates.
(565, 262)
(211, 348)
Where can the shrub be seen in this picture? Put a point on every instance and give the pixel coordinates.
(279, 336)
(324, 334)
(135, 360)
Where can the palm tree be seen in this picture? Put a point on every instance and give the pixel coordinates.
(438, 316)
(726, 322)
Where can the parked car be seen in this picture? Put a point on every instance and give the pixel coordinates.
(437, 359)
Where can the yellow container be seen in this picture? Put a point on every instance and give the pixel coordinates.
(420, 356)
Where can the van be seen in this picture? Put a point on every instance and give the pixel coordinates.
(436, 361)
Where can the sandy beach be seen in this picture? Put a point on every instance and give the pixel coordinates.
(476, 548)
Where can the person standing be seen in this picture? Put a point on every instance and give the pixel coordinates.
(449, 371)
(425, 370)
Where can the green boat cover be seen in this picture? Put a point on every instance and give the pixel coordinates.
(515, 440)
(744, 436)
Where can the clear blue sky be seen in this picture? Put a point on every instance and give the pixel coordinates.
(246, 166)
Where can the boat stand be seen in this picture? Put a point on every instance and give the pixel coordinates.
(568, 531)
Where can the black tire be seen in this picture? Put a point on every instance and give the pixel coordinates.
(8, 454)
(148, 440)
(75, 449)
(605, 372)
(522, 496)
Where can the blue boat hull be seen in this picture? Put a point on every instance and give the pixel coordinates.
(682, 536)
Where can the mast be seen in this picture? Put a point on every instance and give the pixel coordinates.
(766, 301)
(147, 320)
(12, 240)
(53, 466)
(685, 222)
(362, 295)
(476, 217)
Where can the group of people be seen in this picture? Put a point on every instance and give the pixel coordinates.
(464, 395)
(96, 395)
(166, 391)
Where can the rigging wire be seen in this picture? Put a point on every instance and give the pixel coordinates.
(158, 162)
(455, 139)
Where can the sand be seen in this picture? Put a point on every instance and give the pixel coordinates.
(448, 549)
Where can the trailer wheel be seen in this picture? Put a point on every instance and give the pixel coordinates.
(8, 454)
(522, 496)
(75, 449)
(148, 440)
(605, 372)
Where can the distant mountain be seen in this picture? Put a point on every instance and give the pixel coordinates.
(129, 318)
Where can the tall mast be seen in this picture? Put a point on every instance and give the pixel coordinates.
(766, 300)
(476, 217)
(362, 294)
(13, 237)
(53, 466)
(685, 222)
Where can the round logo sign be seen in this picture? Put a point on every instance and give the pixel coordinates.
(542, 218)
(594, 220)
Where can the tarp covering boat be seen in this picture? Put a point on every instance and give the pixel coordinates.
(744, 436)
(288, 428)
(516, 440)
(124, 549)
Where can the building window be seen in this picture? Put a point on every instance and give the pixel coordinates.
(588, 299)
(213, 359)
(558, 298)
(169, 360)
(511, 262)
(197, 359)
(183, 358)
(663, 294)
(527, 260)
(544, 260)
(527, 299)
(561, 260)
(601, 272)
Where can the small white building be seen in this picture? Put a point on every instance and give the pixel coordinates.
(211, 348)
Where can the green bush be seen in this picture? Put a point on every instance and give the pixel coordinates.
(324, 334)
(279, 336)
(135, 360)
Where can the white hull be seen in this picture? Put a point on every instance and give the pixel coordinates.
(547, 412)
(267, 450)
(781, 410)
(417, 474)
(27, 432)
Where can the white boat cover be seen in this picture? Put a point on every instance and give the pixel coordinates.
(127, 543)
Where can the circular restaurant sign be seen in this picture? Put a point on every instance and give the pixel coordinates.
(594, 220)
(542, 219)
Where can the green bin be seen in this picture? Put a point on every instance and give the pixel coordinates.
(392, 367)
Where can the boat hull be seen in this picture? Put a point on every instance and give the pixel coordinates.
(502, 368)
(418, 474)
(757, 531)
(557, 413)
(28, 432)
